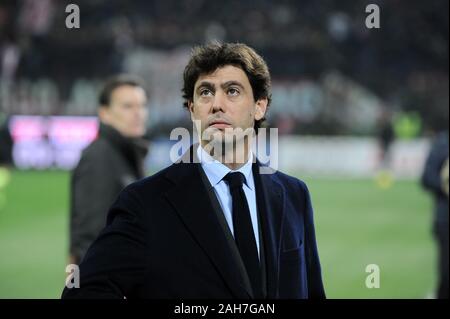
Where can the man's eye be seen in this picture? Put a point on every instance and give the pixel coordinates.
(233, 92)
(205, 92)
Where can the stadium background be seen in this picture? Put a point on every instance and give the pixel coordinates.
(340, 90)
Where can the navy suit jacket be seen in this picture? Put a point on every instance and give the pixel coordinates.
(165, 238)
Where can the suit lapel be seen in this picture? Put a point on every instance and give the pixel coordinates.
(270, 199)
(245, 280)
(190, 199)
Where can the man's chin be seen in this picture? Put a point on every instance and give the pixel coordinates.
(212, 133)
(220, 136)
(135, 134)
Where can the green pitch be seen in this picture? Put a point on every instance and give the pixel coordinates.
(357, 224)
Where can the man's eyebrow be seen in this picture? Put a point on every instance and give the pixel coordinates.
(205, 84)
(230, 83)
(211, 86)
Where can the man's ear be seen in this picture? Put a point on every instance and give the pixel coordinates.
(103, 114)
(261, 108)
(191, 109)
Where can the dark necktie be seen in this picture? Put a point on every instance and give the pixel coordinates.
(243, 231)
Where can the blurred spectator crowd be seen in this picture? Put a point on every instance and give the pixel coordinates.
(331, 74)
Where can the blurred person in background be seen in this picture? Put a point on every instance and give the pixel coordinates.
(435, 178)
(6, 142)
(384, 177)
(111, 162)
(385, 138)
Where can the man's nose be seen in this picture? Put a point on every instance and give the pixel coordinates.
(219, 102)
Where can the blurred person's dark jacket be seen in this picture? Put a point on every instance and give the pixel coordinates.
(432, 180)
(106, 166)
(6, 144)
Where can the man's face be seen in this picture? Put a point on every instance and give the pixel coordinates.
(127, 111)
(224, 99)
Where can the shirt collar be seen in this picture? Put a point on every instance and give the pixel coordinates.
(216, 171)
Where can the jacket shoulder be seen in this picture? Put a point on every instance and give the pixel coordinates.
(290, 181)
(96, 159)
(151, 185)
(97, 149)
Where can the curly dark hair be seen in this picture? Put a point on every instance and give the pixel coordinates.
(206, 59)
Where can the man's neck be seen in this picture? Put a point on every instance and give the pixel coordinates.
(234, 157)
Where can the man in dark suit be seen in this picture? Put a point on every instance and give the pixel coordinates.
(211, 225)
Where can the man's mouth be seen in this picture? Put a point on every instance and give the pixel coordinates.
(219, 124)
